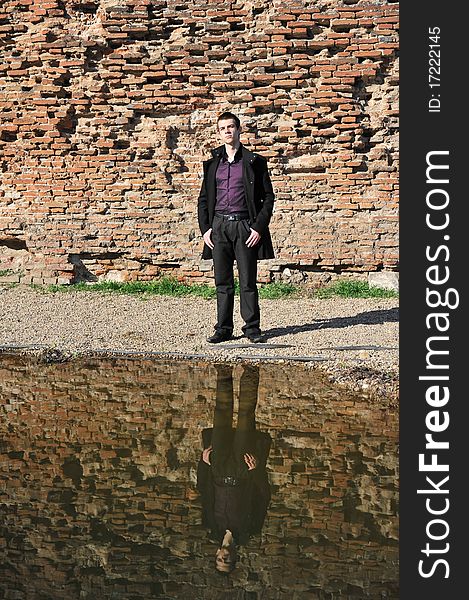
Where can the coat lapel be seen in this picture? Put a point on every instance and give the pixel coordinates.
(248, 180)
(211, 180)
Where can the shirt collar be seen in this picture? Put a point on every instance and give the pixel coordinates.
(237, 156)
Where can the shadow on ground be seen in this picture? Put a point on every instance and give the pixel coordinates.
(373, 317)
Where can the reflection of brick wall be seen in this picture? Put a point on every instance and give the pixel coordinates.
(108, 109)
(96, 464)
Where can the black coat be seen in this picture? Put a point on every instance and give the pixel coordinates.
(257, 491)
(259, 198)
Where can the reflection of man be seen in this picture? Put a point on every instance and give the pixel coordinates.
(234, 209)
(231, 475)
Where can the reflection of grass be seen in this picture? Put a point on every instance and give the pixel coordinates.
(354, 289)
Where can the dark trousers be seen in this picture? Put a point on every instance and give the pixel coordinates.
(229, 239)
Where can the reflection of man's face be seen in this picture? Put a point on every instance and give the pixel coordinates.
(225, 560)
(229, 133)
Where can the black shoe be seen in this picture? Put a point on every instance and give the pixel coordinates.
(218, 337)
(256, 338)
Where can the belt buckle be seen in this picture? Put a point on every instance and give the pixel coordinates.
(229, 481)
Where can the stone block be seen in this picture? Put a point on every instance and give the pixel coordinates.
(388, 280)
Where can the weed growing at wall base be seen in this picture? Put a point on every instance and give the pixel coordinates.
(354, 289)
(169, 286)
(273, 291)
(165, 286)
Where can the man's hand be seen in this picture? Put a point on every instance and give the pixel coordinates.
(208, 238)
(192, 494)
(251, 461)
(206, 455)
(253, 239)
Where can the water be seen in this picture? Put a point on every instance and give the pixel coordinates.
(98, 478)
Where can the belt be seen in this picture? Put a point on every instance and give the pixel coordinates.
(231, 481)
(233, 216)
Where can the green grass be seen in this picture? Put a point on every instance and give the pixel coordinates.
(273, 291)
(5, 272)
(165, 286)
(169, 286)
(354, 289)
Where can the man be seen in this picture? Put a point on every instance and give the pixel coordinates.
(234, 209)
(231, 475)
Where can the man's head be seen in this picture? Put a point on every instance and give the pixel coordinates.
(229, 128)
(225, 558)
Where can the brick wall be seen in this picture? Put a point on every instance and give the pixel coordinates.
(97, 458)
(107, 109)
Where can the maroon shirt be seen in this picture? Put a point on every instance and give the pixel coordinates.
(231, 197)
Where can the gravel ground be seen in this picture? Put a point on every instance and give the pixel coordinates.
(355, 341)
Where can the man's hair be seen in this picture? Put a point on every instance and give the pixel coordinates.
(228, 566)
(228, 115)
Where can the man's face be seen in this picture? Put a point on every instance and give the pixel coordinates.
(229, 133)
(225, 560)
